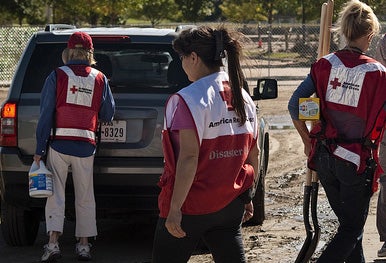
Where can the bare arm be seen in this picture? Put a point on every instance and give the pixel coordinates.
(305, 90)
(185, 172)
(302, 129)
(252, 159)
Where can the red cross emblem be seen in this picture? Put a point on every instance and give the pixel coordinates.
(335, 83)
(226, 95)
(73, 89)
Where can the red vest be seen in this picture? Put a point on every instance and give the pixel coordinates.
(351, 88)
(79, 91)
(221, 173)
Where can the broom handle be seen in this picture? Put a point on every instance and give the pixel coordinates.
(324, 43)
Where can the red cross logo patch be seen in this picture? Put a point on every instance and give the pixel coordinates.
(335, 83)
(226, 95)
(73, 89)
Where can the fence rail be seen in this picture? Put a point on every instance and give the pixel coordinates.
(271, 46)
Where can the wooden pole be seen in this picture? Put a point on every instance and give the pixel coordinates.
(311, 184)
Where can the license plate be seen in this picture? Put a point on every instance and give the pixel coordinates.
(114, 131)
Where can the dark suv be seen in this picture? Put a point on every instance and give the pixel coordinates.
(143, 71)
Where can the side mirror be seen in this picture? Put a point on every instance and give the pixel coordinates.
(266, 89)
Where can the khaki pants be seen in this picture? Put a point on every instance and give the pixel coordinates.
(82, 174)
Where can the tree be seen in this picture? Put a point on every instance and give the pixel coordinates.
(35, 11)
(67, 11)
(193, 11)
(91, 12)
(269, 7)
(32, 11)
(153, 10)
(379, 7)
(7, 11)
(288, 9)
(114, 11)
(242, 11)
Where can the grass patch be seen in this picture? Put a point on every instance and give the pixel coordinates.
(282, 55)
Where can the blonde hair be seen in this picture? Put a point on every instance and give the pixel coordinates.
(78, 54)
(357, 20)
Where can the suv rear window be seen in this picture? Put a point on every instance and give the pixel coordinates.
(130, 68)
(45, 58)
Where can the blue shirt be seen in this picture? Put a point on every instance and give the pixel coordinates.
(47, 117)
(305, 90)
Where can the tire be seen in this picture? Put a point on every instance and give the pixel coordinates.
(19, 225)
(258, 200)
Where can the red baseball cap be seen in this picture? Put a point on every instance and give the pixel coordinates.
(80, 40)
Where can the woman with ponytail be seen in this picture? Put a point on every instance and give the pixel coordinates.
(342, 146)
(210, 149)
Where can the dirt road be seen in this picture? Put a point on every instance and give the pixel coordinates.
(278, 240)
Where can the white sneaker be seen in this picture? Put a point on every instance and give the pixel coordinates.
(51, 253)
(83, 252)
(382, 251)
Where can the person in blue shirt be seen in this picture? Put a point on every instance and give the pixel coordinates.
(342, 146)
(73, 100)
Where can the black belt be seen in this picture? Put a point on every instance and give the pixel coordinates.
(364, 141)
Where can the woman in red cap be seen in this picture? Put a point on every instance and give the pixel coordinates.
(73, 98)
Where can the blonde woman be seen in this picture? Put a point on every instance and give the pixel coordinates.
(342, 147)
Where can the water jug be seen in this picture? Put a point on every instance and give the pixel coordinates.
(40, 181)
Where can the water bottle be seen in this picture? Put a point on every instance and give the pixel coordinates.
(40, 181)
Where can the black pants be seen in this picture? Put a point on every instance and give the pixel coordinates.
(221, 232)
(349, 197)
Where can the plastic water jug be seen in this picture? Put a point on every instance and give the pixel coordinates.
(40, 181)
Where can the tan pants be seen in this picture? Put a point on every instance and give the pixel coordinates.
(82, 174)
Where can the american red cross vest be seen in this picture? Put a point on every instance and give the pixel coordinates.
(79, 91)
(352, 92)
(221, 174)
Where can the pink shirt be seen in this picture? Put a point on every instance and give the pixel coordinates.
(182, 120)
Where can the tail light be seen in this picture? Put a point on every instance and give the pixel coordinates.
(8, 122)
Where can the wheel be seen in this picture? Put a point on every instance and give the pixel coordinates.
(19, 225)
(258, 200)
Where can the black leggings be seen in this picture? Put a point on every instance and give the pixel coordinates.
(221, 232)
